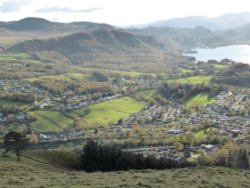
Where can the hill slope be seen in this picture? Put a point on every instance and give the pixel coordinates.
(179, 38)
(99, 46)
(38, 28)
(30, 173)
(237, 75)
(42, 25)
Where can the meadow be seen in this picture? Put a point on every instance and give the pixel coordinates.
(108, 112)
(200, 100)
(47, 121)
(103, 113)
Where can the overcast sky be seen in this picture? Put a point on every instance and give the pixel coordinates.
(117, 12)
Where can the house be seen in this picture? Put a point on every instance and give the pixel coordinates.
(209, 147)
(175, 131)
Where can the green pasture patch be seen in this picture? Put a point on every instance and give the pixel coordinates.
(111, 111)
(200, 100)
(47, 121)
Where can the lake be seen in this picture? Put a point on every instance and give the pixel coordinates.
(238, 53)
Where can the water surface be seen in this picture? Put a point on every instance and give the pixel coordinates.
(238, 53)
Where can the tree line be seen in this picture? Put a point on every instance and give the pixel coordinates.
(98, 157)
(182, 92)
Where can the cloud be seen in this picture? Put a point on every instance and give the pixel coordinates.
(67, 10)
(13, 5)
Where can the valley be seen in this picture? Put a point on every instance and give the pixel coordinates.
(66, 84)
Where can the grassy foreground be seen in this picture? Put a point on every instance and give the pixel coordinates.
(30, 173)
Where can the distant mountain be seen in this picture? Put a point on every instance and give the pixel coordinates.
(30, 24)
(224, 22)
(43, 25)
(239, 34)
(187, 22)
(180, 38)
(101, 45)
(243, 32)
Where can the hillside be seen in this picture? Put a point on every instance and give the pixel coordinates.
(243, 31)
(237, 75)
(38, 28)
(41, 173)
(178, 38)
(98, 46)
(43, 25)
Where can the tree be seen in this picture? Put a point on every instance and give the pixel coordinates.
(99, 77)
(97, 157)
(33, 139)
(14, 141)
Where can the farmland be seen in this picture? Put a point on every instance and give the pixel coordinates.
(127, 89)
(49, 121)
(111, 111)
(199, 100)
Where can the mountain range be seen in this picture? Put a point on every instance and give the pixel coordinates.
(224, 22)
(43, 25)
(80, 42)
(101, 45)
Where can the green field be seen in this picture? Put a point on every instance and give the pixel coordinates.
(129, 73)
(192, 80)
(18, 57)
(199, 100)
(218, 66)
(14, 56)
(202, 134)
(49, 169)
(111, 111)
(186, 71)
(49, 121)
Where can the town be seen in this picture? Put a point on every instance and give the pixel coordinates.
(227, 119)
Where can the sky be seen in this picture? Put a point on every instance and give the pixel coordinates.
(117, 12)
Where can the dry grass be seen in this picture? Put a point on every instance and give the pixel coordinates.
(29, 173)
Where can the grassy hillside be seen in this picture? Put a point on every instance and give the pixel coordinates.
(199, 100)
(32, 173)
(111, 111)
